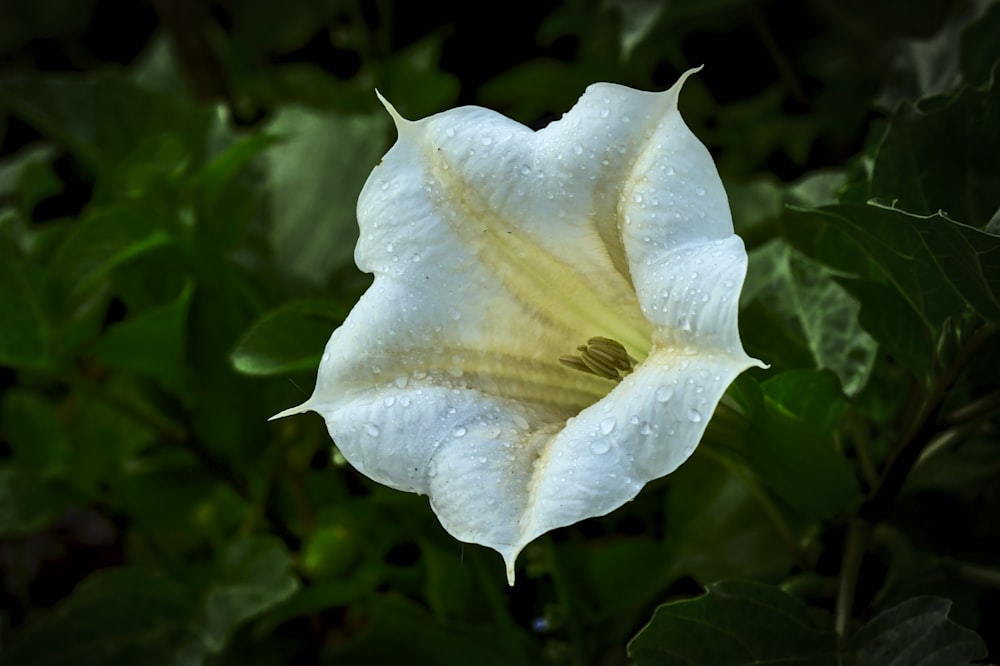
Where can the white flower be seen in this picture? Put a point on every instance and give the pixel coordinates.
(497, 250)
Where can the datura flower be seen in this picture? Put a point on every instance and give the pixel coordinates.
(553, 318)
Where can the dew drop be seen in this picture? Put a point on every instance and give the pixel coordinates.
(326, 357)
(419, 374)
(700, 191)
(664, 393)
(405, 401)
(684, 323)
(456, 315)
(372, 430)
(525, 169)
(607, 425)
(645, 428)
(626, 119)
(459, 431)
(389, 400)
(600, 446)
(416, 258)
(669, 171)
(688, 450)
(483, 460)
(728, 283)
(449, 132)
(388, 248)
(694, 416)
(605, 112)
(401, 381)
(521, 422)
(385, 186)
(487, 140)
(578, 149)
(637, 198)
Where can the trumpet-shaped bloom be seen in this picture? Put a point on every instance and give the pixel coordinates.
(604, 240)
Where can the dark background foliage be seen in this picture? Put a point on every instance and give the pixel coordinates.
(177, 189)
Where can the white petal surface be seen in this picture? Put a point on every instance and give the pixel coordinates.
(496, 250)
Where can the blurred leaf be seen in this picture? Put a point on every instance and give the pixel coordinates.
(102, 119)
(314, 178)
(735, 623)
(980, 51)
(28, 501)
(716, 525)
(153, 343)
(794, 456)
(103, 240)
(399, 631)
(288, 339)
(638, 17)
(33, 430)
(24, 328)
(933, 262)
(916, 631)
(28, 177)
(118, 617)
(256, 576)
(814, 308)
(960, 132)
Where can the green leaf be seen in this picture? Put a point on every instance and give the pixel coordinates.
(795, 456)
(24, 327)
(941, 157)
(813, 309)
(103, 240)
(717, 526)
(740, 623)
(314, 178)
(917, 631)
(102, 119)
(28, 177)
(117, 617)
(256, 576)
(638, 18)
(34, 431)
(812, 396)
(936, 264)
(980, 51)
(28, 501)
(288, 339)
(736, 623)
(153, 343)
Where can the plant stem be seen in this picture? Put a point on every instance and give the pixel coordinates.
(858, 535)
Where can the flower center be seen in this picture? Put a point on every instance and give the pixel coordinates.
(603, 357)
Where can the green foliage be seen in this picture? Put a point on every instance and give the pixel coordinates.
(176, 239)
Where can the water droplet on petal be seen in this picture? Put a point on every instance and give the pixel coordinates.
(664, 393)
(637, 198)
(694, 416)
(416, 258)
(419, 374)
(372, 430)
(605, 112)
(607, 425)
(389, 400)
(578, 149)
(458, 431)
(684, 323)
(449, 132)
(401, 381)
(728, 283)
(521, 422)
(600, 446)
(487, 140)
(700, 191)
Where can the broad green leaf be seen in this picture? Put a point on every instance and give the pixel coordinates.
(153, 343)
(742, 623)
(812, 396)
(27, 178)
(24, 328)
(104, 239)
(287, 339)
(116, 617)
(891, 320)
(814, 309)
(33, 430)
(916, 631)
(736, 623)
(256, 576)
(717, 526)
(936, 264)
(102, 119)
(941, 157)
(28, 501)
(314, 177)
(795, 457)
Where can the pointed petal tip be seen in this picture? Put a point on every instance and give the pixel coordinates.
(292, 411)
(397, 119)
